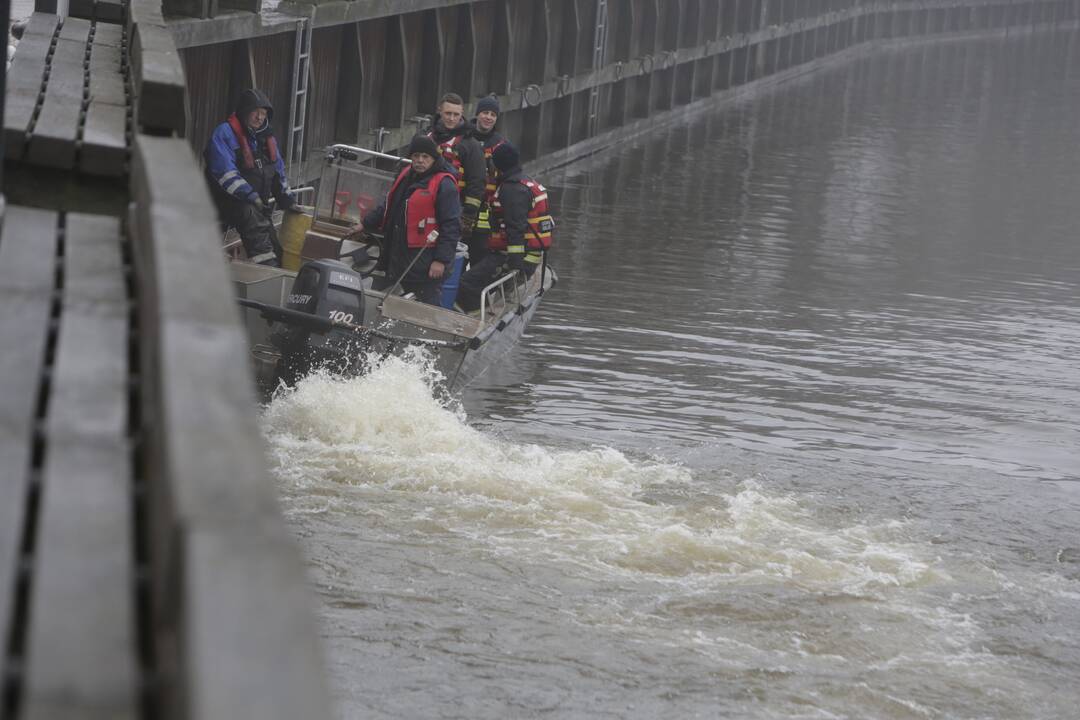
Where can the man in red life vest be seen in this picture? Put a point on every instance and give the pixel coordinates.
(522, 228)
(464, 155)
(421, 222)
(483, 129)
(245, 170)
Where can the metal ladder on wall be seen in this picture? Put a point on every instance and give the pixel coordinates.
(599, 42)
(298, 106)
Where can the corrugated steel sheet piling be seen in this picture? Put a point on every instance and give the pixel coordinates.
(572, 75)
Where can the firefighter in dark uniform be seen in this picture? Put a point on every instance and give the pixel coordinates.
(421, 223)
(245, 171)
(483, 129)
(522, 228)
(464, 155)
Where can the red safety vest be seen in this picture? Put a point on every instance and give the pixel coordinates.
(422, 227)
(449, 152)
(541, 224)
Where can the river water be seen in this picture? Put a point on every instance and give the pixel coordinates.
(794, 437)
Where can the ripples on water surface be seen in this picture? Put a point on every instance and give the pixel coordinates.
(794, 437)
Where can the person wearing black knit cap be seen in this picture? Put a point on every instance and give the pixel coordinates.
(522, 228)
(483, 129)
(421, 235)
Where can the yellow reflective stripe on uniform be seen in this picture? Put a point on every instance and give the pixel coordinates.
(533, 258)
(515, 248)
(472, 201)
(483, 220)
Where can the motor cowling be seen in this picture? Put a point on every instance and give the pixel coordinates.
(330, 290)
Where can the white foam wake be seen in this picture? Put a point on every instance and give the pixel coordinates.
(418, 461)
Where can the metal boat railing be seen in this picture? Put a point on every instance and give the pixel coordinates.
(303, 192)
(499, 286)
(341, 150)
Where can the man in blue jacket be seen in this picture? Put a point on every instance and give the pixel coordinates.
(245, 171)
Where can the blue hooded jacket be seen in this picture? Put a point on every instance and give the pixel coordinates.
(224, 157)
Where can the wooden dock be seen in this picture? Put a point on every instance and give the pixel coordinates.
(145, 570)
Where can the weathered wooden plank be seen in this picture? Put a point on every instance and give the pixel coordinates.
(41, 25)
(81, 648)
(18, 112)
(25, 82)
(252, 648)
(158, 79)
(27, 272)
(106, 75)
(105, 57)
(108, 36)
(107, 84)
(227, 578)
(76, 30)
(104, 145)
(194, 316)
(145, 12)
(52, 142)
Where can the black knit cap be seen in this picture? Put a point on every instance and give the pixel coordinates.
(506, 157)
(490, 103)
(423, 144)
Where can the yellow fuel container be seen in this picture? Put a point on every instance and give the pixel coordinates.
(294, 226)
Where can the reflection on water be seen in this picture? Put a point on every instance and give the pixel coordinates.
(882, 259)
(769, 450)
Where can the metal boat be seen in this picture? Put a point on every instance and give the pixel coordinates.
(326, 313)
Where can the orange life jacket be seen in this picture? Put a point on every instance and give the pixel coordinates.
(540, 222)
(421, 225)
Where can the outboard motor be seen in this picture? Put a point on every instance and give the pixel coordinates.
(328, 290)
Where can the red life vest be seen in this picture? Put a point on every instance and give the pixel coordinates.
(540, 222)
(421, 225)
(245, 143)
(448, 150)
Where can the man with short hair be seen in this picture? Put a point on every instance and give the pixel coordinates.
(245, 170)
(464, 155)
(483, 129)
(421, 223)
(522, 228)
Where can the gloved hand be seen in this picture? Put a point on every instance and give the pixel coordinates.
(262, 207)
(515, 261)
(287, 203)
(356, 233)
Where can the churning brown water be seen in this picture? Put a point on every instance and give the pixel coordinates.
(795, 437)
